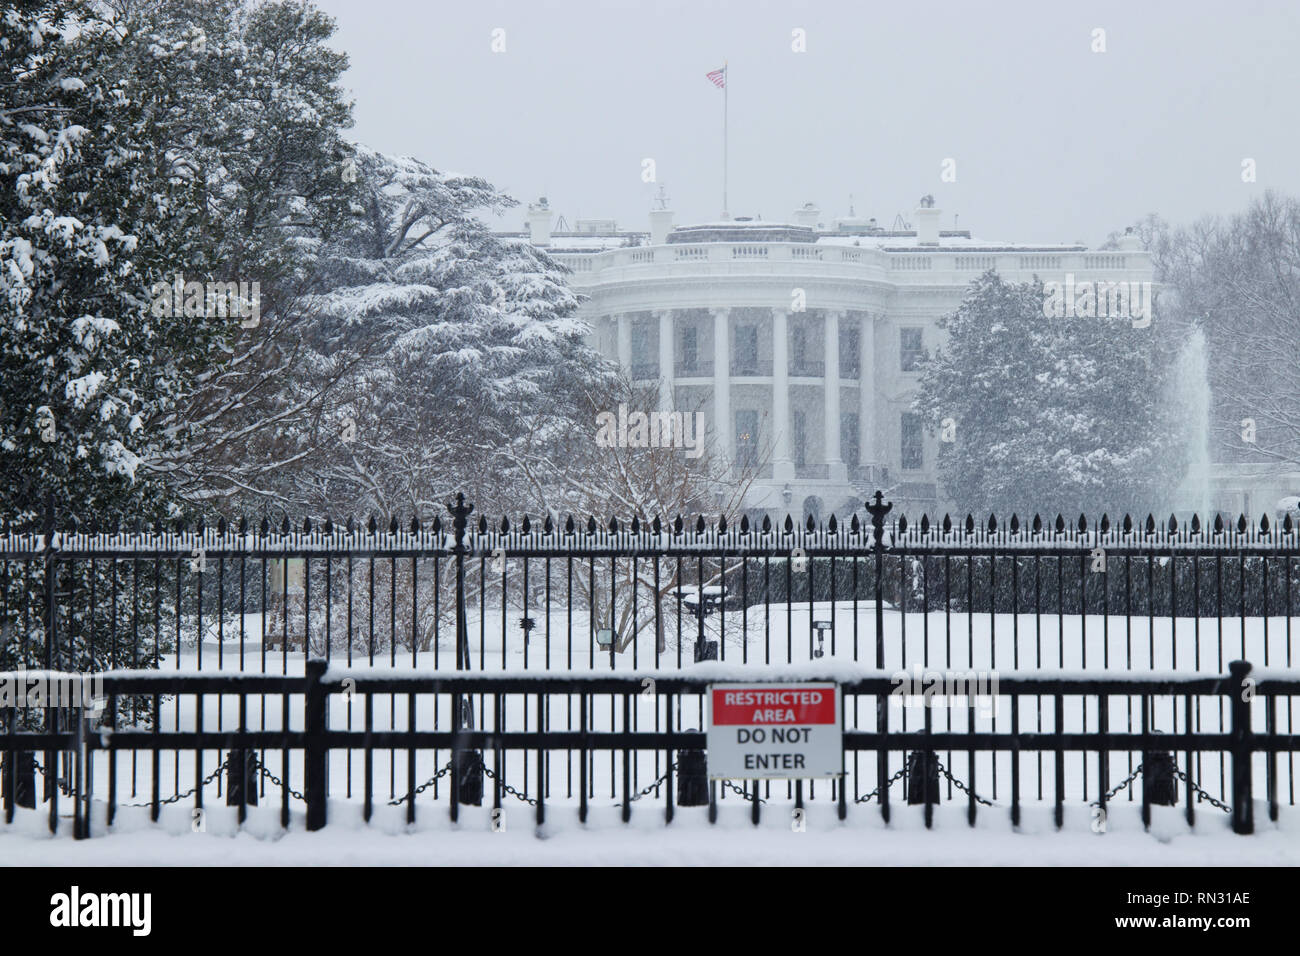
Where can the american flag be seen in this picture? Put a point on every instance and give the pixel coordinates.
(718, 78)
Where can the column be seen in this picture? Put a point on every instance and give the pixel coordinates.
(625, 342)
(667, 371)
(867, 393)
(782, 465)
(831, 392)
(723, 428)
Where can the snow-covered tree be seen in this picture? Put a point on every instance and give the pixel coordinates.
(241, 104)
(76, 381)
(1238, 278)
(84, 365)
(1060, 415)
(468, 345)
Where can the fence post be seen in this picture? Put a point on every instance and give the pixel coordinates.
(692, 778)
(241, 780)
(922, 778)
(1158, 778)
(1243, 814)
(80, 823)
(51, 722)
(467, 765)
(18, 781)
(316, 757)
(878, 508)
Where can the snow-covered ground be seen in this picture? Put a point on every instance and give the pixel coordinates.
(605, 840)
(776, 633)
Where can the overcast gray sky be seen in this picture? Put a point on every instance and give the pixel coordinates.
(1051, 141)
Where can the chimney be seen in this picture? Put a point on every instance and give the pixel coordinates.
(661, 223)
(927, 222)
(539, 223)
(807, 216)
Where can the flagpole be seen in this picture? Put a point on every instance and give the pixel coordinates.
(726, 89)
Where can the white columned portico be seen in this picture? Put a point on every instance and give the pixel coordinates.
(782, 465)
(722, 427)
(867, 392)
(666, 370)
(831, 390)
(624, 341)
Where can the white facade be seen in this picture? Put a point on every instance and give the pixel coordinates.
(797, 342)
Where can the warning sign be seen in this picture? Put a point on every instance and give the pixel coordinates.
(774, 731)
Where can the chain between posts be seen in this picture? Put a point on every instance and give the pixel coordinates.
(888, 783)
(1110, 794)
(961, 786)
(645, 791)
(1201, 795)
(531, 801)
(176, 798)
(412, 794)
(66, 790)
(276, 780)
(740, 790)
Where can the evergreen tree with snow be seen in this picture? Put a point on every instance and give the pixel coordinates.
(84, 366)
(241, 103)
(465, 347)
(1055, 415)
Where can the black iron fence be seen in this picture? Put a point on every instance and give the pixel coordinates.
(563, 766)
(221, 627)
(571, 592)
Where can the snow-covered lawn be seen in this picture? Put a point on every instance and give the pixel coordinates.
(605, 840)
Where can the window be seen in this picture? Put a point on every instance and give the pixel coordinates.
(645, 364)
(848, 353)
(640, 340)
(690, 348)
(798, 347)
(798, 439)
(849, 449)
(746, 438)
(911, 457)
(746, 356)
(911, 354)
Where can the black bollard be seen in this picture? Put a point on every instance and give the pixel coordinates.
(922, 776)
(1158, 778)
(469, 771)
(24, 786)
(692, 778)
(235, 782)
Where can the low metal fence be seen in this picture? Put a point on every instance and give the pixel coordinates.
(462, 749)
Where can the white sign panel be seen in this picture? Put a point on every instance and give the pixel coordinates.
(774, 731)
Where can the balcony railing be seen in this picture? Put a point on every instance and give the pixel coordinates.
(945, 264)
(822, 471)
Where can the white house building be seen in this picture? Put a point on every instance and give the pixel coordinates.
(799, 341)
